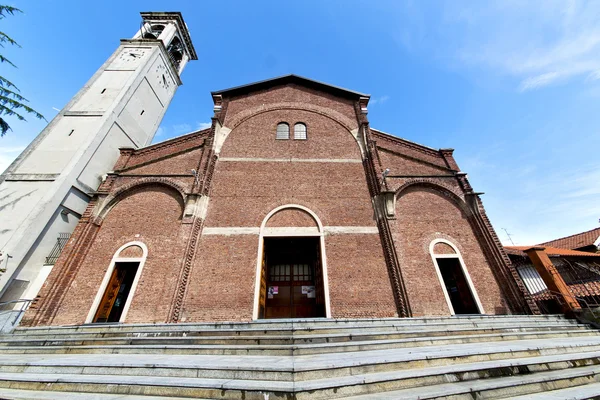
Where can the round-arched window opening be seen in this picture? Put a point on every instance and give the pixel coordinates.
(157, 29)
(176, 50)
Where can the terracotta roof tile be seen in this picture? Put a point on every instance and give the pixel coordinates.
(551, 251)
(575, 241)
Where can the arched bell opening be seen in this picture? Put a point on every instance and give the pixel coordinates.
(291, 280)
(175, 51)
(152, 31)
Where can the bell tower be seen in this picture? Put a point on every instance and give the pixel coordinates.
(44, 192)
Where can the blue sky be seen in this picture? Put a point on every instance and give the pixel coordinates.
(513, 86)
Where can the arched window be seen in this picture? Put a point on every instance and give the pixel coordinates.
(458, 289)
(283, 131)
(300, 131)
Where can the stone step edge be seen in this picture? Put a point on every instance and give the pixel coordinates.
(373, 357)
(387, 376)
(572, 393)
(343, 381)
(445, 389)
(56, 395)
(8, 343)
(311, 320)
(358, 332)
(472, 387)
(296, 323)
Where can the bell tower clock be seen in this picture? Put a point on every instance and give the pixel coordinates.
(46, 189)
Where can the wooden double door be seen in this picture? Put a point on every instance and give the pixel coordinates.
(292, 281)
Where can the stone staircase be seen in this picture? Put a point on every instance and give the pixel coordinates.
(471, 357)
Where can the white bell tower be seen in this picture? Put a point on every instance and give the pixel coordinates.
(46, 189)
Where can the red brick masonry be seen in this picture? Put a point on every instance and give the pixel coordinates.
(202, 231)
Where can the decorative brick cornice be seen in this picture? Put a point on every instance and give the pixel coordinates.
(115, 196)
(405, 143)
(336, 116)
(439, 166)
(436, 185)
(169, 147)
(385, 234)
(189, 137)
(182, 283)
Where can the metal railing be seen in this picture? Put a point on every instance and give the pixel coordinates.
(61, 241)
(19, 311)
(586, 305)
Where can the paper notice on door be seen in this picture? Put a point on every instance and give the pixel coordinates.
(309, 291)
(273, 290)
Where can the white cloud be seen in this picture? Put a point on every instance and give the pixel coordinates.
(203, 125)
(180, 129)
(538, 43)
(538, 81)
(378, 100)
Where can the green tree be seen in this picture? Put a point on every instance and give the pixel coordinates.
(11, 102)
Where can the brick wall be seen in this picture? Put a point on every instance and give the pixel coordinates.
(151, 215)
(212, 274)
(243, 193)
(425, 214)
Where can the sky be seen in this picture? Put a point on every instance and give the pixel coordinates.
(513, 86)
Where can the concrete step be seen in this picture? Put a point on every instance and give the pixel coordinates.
(16, 394)
(589, 391)
(517, 380)
(131, 347)
(301, 336)
(305, 359)
(380, 383)
(292, 339)
(299, 368)
(309, 325)
(505, 387)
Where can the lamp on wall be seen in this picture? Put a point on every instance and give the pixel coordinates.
(384, 175)
(4, 261)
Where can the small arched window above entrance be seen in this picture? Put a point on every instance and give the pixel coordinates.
(455, 280)
(300, 131)
(283, 131)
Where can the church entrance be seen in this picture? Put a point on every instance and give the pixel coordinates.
(291, 278)
(457, 286)
(116, 294)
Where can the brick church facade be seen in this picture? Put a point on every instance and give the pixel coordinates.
(289, 206)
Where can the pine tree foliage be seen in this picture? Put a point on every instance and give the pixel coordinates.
(12, 103)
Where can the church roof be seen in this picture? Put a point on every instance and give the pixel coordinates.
(291, 78)
(576, 241)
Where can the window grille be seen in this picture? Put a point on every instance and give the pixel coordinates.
(300, 131)
(302, 272)
(283, 131)
(61, 241)
(280, 273)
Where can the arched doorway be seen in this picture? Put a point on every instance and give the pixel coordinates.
(118, 286)
(457, 286)
(291, 280)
